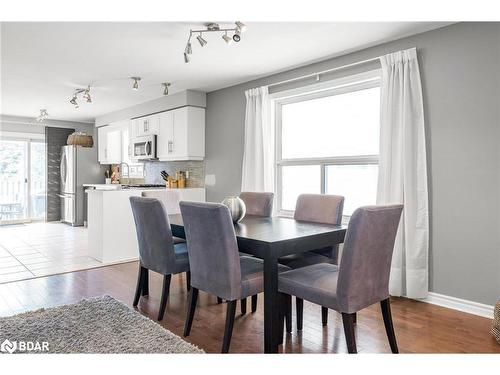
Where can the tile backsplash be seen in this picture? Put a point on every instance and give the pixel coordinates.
(196, 171)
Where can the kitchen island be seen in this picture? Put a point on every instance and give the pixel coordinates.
(111, 227)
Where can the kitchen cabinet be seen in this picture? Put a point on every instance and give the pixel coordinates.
(109, 139)
(181, 134)
(147, 125)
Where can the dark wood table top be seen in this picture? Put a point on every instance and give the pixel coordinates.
(257, 234)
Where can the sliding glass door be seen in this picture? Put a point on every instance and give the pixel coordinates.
(22, 180)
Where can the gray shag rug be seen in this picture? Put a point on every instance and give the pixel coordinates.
(95, 325)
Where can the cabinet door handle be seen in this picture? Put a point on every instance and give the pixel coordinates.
(105, 152)
(170, 146)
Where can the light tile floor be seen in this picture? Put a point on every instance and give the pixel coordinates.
(41, 249)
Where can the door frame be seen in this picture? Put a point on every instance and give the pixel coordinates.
(28, 138)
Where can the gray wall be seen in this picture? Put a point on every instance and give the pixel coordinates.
(460, 68)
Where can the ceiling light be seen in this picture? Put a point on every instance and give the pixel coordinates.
(186, 57)
(86, 95)
(43, 115)
(237, 35)
(165, 90)
(241, 26)
(136, 80)
(73, 101)
(227, 39)
(201, 40)
(189, 49)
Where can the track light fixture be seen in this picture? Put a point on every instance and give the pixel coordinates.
(136, 80)
(74, 102)
(202, 41)
(227, 38)
(166, 85)
(239, 28)
(86, 95)
(42, 116)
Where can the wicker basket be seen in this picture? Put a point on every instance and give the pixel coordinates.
(495, 328)
(80, 139)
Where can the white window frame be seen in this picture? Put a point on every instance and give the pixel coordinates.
(339, 86)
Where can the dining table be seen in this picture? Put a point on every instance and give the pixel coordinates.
(270, 238)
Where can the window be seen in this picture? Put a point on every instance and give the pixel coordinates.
(328, 142)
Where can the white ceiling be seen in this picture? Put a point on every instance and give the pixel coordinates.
(42, 63)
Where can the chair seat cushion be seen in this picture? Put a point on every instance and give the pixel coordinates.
(304, 259)
(316, 283)
(252, 276)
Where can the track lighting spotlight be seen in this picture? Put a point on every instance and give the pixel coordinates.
(227, 39)
(73, 101)
(201, 40)
(189, 49)
(186, 58)
(165, 90)
(241, 26)
(86, 95)
(237, 35)
(43, 115)
(136, 80)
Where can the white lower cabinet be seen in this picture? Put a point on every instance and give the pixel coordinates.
(181, 134)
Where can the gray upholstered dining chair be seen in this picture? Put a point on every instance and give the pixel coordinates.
(362, 278)
(322, 209)
(170, 199)
(157, 251)
(216, 265)
(257, 204)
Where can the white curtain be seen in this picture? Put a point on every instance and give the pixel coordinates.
(403, 170)
(258, 156)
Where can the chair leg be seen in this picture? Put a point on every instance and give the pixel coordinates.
(219, 300)
(324, 316)
(188, 281)
(389, 328)
(193, 297)
(138, 288)
(299, 305)
(145, 284)
(348, 320)
(243, 303)
(228, 331)
(164, 295)
(288, 313)
(254, 303)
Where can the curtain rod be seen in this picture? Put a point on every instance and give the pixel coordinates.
(324, 71)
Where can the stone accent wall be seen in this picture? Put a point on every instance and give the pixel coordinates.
(55, 138)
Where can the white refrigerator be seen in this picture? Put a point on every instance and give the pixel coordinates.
(78, 166)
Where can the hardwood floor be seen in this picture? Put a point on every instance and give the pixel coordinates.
(420, 327)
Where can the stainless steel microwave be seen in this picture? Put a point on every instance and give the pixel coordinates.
(144, 148)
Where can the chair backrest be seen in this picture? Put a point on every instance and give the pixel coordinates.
(366, 259)
(319, 208)
(212, 249)
(170, 199)
(258, 204)
(156, 247)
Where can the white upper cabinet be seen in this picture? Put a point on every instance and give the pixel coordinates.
(181, 134)
(147, 125)
(111, 146)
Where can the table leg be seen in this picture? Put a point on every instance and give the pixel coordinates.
(271, 305)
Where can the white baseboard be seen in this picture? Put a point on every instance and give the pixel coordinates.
(459, 304)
